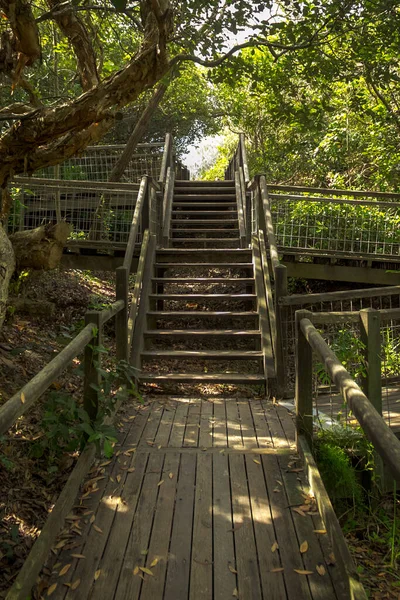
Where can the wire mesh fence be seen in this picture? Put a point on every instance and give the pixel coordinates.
(343, 334)
(337, 302)
(97, 162)
(96, 211)
(337, 225)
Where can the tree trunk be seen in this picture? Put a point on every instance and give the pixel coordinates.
(40, 248)
(138, 133)
(97, 229)
(7, 266)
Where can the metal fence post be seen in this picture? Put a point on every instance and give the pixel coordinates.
(280, 276)
(304, 375)
(92, 377)
(121, 318)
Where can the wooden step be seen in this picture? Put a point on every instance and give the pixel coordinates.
(207, 189)
(247, 266)
(198, 241)
(202, 377)
(199, 184)
(204, 256)
(205, 213)
(207, 197)
(202, 333)
(214, 205)
(180, 280)
(210, 231)
(203, 296)
(203, 354)
(195, 314)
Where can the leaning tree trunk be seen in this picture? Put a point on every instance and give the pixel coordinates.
(7, 266)
(97, 229)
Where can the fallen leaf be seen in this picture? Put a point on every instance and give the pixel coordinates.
(236, 527)
(118, 478)
(23, 402)
(332, 559)
(155, 561)
(277, 491)
(104, 464)
(61, 544)
(232, 570)
(131, 470)
(143, 552)
(171, 475)
(75, 584)
(299, 512)
(277, 570)
(320, 569)
(274, 546)
(279, 481)
(304, 547)
(136, 570)
(64, 570)
(146, 570)
(92, 519)
(299, 470)
(320, 531)
(51, 589)
(303, 572)
(235, 593)
(97, 574)
(97, 529)
(160, 482)
(256, 461)
(78, 556)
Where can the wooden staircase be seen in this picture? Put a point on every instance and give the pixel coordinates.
(200, 321)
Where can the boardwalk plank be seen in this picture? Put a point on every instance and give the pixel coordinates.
(201, 572)
(233, 425)
(224, 552)
(206, 426)
(191, 437)
(178, 569)
(179, 425)
(246, 555)
(220, 438)
(113, 556)
(297, 587)
(272, 582)
(135, 555)
(153, 587)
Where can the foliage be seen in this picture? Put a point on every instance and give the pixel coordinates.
(67, 426)
(339, 452)
(349, 350)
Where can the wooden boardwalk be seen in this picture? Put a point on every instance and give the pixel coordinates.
(205, 499)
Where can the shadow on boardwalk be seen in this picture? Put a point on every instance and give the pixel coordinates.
(204, 499)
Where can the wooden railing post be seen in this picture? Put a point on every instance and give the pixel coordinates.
(92, 377)
(304, 380)
(280, 277)
(121, 319)
(371, 383)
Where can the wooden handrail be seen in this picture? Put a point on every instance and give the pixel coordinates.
(22, 401)
(167, 205)
(380, 435)
(302, 299)
(72, 183)
(268, 223)
(166, 159)
(335, 192)
(244, 164)
(239, 202)
(135, 222)
(268, 291)
(349, 201)
(138, 287)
